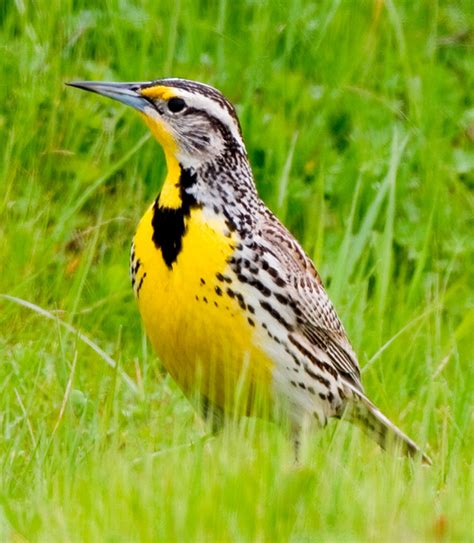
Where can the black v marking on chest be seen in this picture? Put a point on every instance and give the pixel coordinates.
(169, 224)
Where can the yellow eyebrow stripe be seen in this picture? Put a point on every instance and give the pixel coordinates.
(158, 92)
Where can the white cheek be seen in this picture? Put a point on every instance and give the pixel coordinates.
(216, 144)
(206, 104)
(192, 158)
(186, 155)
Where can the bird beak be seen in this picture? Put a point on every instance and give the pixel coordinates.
(127, 93)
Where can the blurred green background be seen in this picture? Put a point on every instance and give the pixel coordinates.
(359, 122)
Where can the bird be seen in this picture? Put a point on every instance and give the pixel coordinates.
(231, 303)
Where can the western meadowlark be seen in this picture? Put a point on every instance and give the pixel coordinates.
(223, 288)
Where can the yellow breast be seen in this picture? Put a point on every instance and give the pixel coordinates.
(200, 333)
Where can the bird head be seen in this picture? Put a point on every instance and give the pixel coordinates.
(192, 121)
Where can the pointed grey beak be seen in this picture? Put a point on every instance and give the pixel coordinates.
(127, 93)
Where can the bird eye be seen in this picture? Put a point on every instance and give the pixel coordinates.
(176, 104)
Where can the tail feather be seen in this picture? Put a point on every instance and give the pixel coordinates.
(374, 423)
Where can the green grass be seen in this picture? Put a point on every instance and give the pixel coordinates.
(359, 124)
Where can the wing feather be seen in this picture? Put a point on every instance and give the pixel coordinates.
(315, 316)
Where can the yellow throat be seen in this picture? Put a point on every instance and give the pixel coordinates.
(197, 328)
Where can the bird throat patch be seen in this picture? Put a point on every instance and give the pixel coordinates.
(169, 223)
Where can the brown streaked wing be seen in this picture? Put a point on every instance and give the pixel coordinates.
(315, 315)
